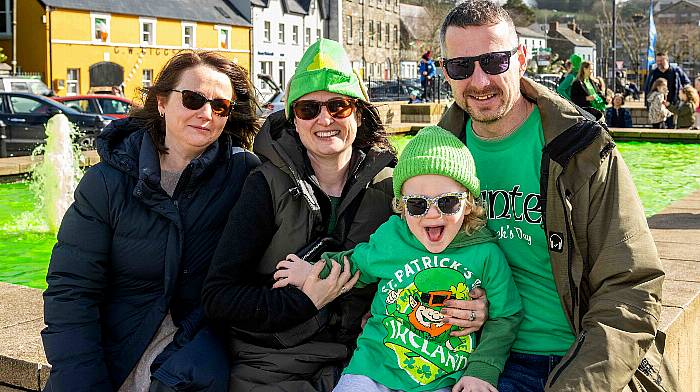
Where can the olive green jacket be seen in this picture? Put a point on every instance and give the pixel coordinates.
(604, 260)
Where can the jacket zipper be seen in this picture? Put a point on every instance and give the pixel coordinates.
(569, 250)
(579, 343)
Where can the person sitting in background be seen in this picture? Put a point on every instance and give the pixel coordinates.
(697, 110)
(617, 116)
(658, 105)
(413, 97)
(686, 107)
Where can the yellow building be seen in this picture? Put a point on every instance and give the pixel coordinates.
(82, 46)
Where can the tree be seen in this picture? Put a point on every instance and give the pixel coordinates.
(521, 14)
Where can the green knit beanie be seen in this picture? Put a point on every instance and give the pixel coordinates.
(575, 62)
(324, 67)
(435, 150)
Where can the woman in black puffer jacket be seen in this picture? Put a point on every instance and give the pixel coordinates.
(133, 250)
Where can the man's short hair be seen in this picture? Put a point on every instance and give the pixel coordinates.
(474, 13)
(661, 54)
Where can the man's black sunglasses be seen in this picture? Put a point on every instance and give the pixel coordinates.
(494, 63)
(194, 101)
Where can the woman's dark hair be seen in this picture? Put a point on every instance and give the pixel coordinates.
(584, 65)
(242, 124)
(371, 131)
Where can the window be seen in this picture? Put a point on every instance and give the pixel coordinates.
(266, 32)
(148, 31)
(188, 35)
(348, 29)
(73, 81)
(5, 17)
(371, 33)
(147, 79)
(396, 35)
(387, 37)
(295, 35)
(266, 69)
(26, 105)
(224, 37)
(281, 33)
(307, 36)
(379, 34)
(361, 34)
(100, 27)
(318, 34)
(113, 106)
(81, 105)
(312, 7)
(281, 75)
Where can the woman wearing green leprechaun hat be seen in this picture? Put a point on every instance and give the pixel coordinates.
(437, 250)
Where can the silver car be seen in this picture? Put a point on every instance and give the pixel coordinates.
(275, 102)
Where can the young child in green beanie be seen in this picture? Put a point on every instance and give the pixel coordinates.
(437, 250)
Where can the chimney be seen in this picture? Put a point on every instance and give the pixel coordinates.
(553, 26)
(578, 30)
(572, 25)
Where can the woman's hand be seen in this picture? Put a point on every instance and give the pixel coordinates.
(323, 291)
(469, 315)
(472, 384)
(292, 270)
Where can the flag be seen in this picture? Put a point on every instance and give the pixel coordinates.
(651, 54)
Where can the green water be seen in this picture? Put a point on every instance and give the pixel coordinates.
(663, 174)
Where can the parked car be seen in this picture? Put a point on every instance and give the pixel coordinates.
(25, 116)
(550, 81)
(393, 90)
(274, 102)
(112, 106)
(24, 85)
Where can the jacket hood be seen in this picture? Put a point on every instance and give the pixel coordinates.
(126, 145)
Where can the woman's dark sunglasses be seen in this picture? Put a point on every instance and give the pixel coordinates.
(494, 63)
(447, 203)
(194, 101)
(337, 108)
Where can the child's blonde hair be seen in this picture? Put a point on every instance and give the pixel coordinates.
(692, 94)
(658, 83)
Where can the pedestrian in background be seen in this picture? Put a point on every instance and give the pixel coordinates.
(585, 93)
(675, 78)
(658, 104)
(697, 110)
(426, 69)
(617, 116)
(686, 107)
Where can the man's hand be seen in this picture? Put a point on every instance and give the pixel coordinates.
(473, 384)
(469, 315)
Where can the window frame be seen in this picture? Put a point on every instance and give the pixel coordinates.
(267, 31)
(143, 77)
(74, 82)
(229, 39)
(295, 34)
(193, 25)
(142, 22)
(8, 20)
(281, 38)
(106, 17)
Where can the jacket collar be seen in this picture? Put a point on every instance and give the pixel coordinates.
(557, 113)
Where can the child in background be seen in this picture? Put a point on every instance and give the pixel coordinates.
(437, 250)
(658, 111)
(617, 116)
(685, 109)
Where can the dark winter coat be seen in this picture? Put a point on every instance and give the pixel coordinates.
(127, 254)
(675, 77)
(618, 118)
(281, 210)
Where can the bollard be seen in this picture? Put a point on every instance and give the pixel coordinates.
(3, 140)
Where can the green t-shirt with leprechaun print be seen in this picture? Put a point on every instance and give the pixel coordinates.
(509, 172)
(404, 345)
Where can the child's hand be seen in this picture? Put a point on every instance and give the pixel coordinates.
(292, 270)
(473, 384)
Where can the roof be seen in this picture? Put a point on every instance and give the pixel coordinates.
(670, 7)
(529, 33)
(574, 37)
(414, 19)
(226, 12)
(299, 7)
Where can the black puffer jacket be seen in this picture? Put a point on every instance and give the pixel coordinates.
(127, 254)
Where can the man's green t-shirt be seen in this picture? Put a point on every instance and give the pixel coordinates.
(509, 171)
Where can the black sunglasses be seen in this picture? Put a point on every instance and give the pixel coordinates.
(494, 63)
(337, 108)
(435, 298)
(447, 203)
(194, 101)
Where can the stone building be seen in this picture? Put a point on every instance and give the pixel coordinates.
(371, 37)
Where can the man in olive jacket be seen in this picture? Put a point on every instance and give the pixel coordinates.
(567, 215)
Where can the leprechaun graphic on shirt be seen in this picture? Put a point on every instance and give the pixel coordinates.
(406, 345)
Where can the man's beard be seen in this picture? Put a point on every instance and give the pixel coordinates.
(478, 116)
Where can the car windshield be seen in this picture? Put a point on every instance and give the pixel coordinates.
(113, 106)
(39, 88)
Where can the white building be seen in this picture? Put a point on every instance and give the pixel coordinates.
(282, 30)
(532, 40)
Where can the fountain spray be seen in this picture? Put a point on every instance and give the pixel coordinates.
(55, 178)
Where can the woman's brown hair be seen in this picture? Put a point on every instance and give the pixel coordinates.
(242, 124)
(584, 65)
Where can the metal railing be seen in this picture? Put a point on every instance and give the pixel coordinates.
(405, 89)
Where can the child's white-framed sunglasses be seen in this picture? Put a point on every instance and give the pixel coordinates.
(447, 203)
